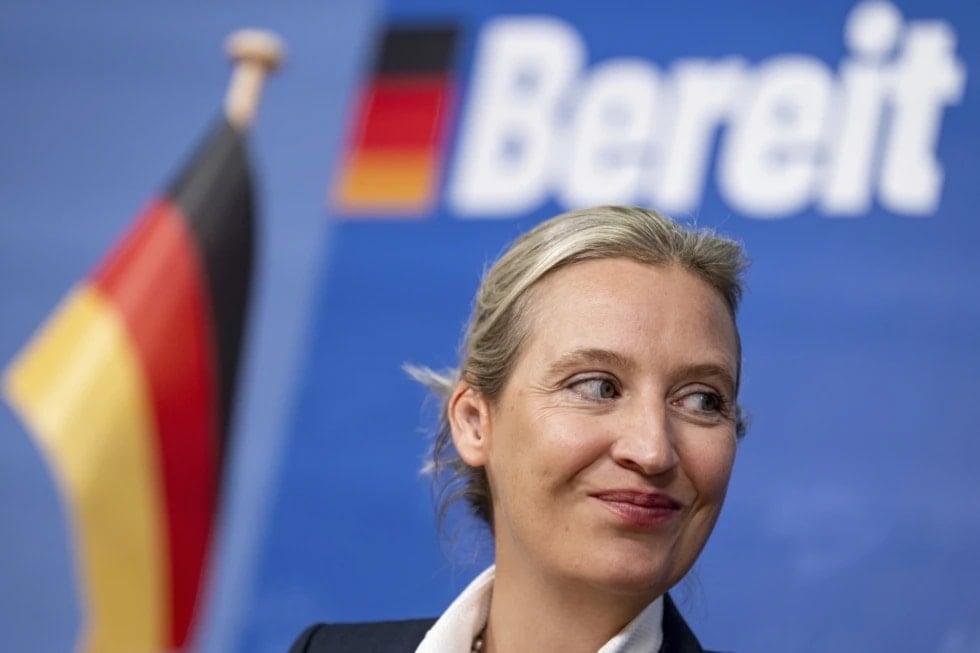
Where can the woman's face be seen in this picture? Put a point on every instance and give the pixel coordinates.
(610, 448)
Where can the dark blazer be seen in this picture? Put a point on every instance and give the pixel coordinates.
(405, 636)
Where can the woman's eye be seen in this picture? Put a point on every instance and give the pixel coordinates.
(597, 388)
(703, 402)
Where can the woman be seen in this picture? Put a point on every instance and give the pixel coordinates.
(592, 426)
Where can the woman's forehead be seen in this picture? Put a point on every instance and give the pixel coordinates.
(633, 310)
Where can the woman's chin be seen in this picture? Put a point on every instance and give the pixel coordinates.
(643, 581)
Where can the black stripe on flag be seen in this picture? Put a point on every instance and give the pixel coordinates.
(214, 191)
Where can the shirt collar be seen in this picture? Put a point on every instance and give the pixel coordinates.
(466, 616)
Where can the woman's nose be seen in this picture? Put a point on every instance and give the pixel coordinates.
(644, 443)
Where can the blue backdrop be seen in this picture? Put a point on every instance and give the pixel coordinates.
(838, 141)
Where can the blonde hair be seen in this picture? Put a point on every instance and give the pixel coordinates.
(498, 326)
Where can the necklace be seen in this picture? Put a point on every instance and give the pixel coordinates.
(478, 641)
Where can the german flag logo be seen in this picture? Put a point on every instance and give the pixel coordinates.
(393, 162)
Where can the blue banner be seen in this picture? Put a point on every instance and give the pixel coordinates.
(835, 142)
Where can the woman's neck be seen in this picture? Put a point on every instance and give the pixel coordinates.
(532, 612)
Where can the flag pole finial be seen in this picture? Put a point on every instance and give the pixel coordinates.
(255, 54)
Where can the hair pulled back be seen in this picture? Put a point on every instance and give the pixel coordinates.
(498, 326)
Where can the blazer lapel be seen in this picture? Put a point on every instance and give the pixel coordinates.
(678, 638)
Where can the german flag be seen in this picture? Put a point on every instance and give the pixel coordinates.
(128, 390)
(394, 160)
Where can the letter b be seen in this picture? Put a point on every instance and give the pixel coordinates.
(523, 67)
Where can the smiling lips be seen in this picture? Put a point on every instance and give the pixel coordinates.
(641, 509)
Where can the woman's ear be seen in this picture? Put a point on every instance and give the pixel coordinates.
(469, 420)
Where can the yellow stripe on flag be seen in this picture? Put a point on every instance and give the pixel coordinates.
(79, 387)
(388, 180)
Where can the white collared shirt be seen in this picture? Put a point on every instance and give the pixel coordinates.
(466, 616)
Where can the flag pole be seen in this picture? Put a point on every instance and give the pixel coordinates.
(255, 54)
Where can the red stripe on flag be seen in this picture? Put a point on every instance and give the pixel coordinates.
(155, 280)
(402, 112)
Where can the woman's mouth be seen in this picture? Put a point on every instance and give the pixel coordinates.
(638, 508)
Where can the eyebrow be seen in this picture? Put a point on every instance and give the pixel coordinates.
(702, 370)
(568, 361)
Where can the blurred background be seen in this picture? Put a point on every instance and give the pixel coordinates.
(838, 140)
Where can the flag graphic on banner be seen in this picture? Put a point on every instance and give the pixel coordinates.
(128, 390)
(394, 159)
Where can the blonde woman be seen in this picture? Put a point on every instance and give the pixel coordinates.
(592, 425)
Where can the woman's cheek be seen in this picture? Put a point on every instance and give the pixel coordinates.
(705, 453)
